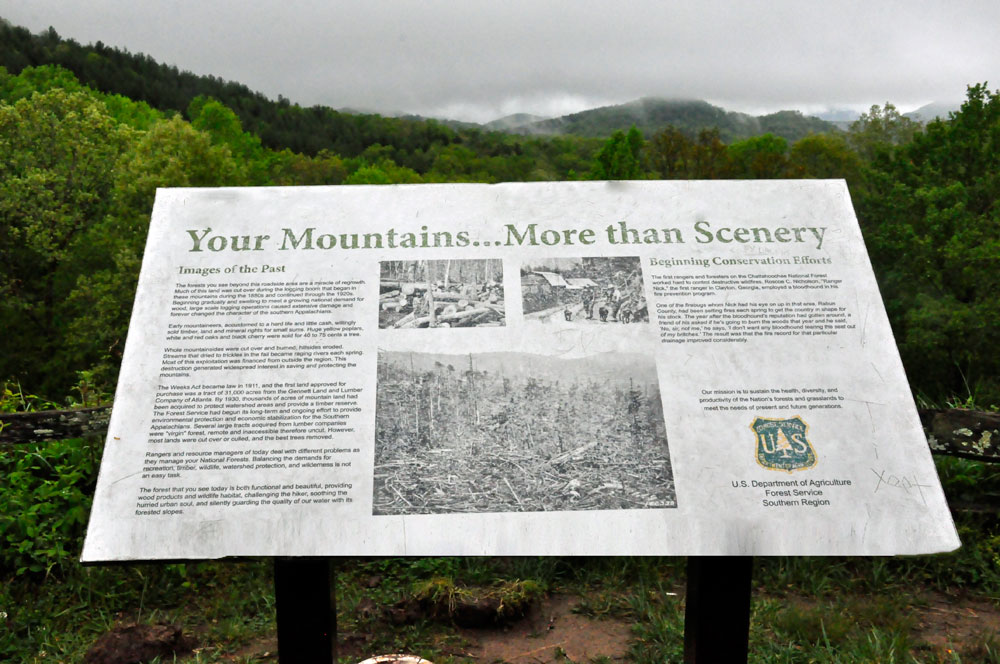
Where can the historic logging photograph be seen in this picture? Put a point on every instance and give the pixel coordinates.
(519, 432)
(441, 293)
(584, 290)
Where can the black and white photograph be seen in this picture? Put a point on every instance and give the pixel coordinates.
(519, 432)
(591, 291)
(441, 293)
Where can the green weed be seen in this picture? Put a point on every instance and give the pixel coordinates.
(659, 624)
(14, 400)
(58, 619)
(45, 504)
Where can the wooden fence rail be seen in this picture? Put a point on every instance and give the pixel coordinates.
(971, 434)
(54, 425)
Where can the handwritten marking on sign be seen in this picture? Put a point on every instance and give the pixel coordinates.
(901, 482)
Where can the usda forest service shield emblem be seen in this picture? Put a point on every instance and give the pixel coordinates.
(782, 444)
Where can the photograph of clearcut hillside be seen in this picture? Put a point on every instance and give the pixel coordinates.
(519, 432)
(604, 289)
(441, 293)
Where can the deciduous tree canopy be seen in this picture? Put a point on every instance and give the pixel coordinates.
(79, 169)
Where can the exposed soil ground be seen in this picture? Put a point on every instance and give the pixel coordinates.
(947, 623)
(551, 631)
(552, 628)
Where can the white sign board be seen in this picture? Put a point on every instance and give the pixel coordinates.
(676, 368)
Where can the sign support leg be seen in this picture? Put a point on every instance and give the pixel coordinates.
(306, 610)
(717, 613)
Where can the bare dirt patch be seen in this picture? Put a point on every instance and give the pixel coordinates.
(549, 629)
(262, 649)
(956, 624)
(139, 643)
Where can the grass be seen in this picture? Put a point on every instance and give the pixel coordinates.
(228, 606)
(804, 610)
(53, 619)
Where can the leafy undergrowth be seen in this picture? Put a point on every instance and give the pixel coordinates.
(940, 608)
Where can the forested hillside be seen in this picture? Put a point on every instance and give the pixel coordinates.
(87, 134)
(282, 124)
(410, 142)
(279, 124)
(690, 116)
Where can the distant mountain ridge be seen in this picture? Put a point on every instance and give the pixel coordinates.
(349, 132)
(653, 114)
(937, 109)
(513, 121)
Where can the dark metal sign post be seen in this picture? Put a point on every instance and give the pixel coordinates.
(717, 609)
(306, 610)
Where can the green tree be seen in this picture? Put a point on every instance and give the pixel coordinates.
(620, 158)
(223, 125)
(825, 156)
(57, 172)
(123, 110)
(670, 154)
(880, 129)
(36, 79)
(759, 157)
(135, 114)
(458, 163)
(384, 172)
(930, 212)
(289, 168)
(369, 175)
(171, 154)
(710, 157)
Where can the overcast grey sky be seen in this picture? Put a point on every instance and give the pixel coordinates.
(473, 60)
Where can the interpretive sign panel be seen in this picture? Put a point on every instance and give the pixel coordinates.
(679, 368)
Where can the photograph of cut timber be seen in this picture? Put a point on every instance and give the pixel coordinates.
(441, 293)
(584, 290)
(519, 432)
